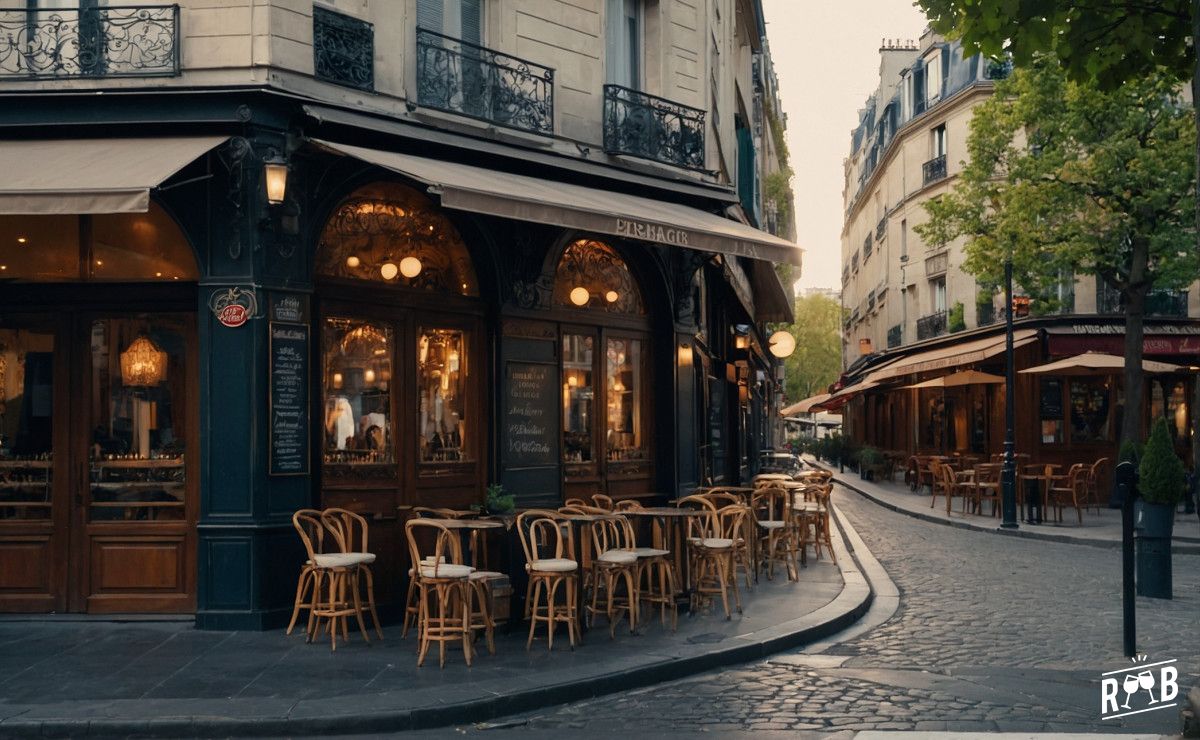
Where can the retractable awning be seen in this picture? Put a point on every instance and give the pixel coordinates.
(806, 406)
(950, 356)
(61, 176)
(480, 190)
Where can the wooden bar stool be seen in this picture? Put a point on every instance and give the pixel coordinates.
(773, 515)
(715, 557)
(443, 591)
(314, 531)
(350, 532)
(549, 559)
(614, 562)
(334, 596)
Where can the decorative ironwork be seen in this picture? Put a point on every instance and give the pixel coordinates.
(845, 276)
(110, 41)
(932, 325)
(854, 261)
(595, 269)
(986, 314)
(651, 127)
(868, 245)
(895, 336)
(934, 170)
(343, 49)
(871, 300)
(474, 81)
(881, 229)
(1171, 303)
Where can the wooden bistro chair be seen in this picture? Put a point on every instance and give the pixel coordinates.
(986, 487)
(657, 582)
(714, 551)
(411, 605)
(334, 594)
(312, 532)
(614, 563)
(773, 515)
(1069, 490)
(602, 501)
(743, 558)
(1097, 475)
(549, 547)
(443, 590)
(349, 530)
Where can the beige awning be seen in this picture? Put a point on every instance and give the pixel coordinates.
(805, 406)
(951, 356)
(1098, 363)
(480, 190)
(960, 379)
(59, 176)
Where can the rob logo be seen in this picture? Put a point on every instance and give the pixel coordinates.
(1145, 686)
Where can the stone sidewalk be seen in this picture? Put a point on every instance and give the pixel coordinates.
(1098, 530)
(165, 679)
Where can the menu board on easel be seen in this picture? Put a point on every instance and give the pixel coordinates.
(289, 399)
(530, 415)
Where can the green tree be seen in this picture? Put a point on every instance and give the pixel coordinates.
(1067, 177)
(817, 361)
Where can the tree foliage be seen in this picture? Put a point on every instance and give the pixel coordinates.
(817, 361)
(1068, 178)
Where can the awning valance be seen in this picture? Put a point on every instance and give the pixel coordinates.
(954, 355)
(806, 406)
(481, 190)
(60, 176)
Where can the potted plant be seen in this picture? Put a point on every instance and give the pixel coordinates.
(1161, 478)
(496, 501)
(870, 460)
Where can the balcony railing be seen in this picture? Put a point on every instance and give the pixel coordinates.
(895, 336)
(470, 80)
(110, 41)
(343, 49)
(868, 245)
(932, 325)
(651, 127)
(934, 169)
(1173, 303)
(998, 70)
(881, 229)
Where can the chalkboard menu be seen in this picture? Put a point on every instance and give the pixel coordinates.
(716, 425)
(530, 425)
(1052, 406)
(289, 399)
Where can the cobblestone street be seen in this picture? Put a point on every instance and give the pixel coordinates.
(992, 633)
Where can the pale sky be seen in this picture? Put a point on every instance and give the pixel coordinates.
(826, 54)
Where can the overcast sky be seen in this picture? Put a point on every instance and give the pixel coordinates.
(826, 53)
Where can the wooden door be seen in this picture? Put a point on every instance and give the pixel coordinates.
(35, 468)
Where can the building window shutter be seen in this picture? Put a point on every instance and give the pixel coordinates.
(429, 14)
(472, 21)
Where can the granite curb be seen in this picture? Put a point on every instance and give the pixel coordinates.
(375, 713)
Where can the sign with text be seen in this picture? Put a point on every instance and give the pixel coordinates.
(289, 399)
(530, 423)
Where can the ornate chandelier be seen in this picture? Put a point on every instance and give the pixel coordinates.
(143, 364)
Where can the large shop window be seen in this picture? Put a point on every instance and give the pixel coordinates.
(105, 247)
(442, 385)
(1168, 398)
(625, 440)
(358, 376)
(26, 423)
(1091, 420)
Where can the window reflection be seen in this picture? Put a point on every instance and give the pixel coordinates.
(442, 384)
(1090, 418)
(624, 385)
(357, 376)
(1168, 398)
(577, 398)
(26, 423)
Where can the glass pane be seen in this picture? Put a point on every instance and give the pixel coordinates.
(1168, 398)
(26, 423)
(1090, 418)
(590, 275)
(577, 398)
(624, 435)
(357, 380)
(442, 383)
(140, 246)
(39, 248)
(138, 419)
(1051, 412)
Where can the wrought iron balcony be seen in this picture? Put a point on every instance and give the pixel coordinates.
(895, 336)
(110, 41)
(881, 229)
(998, 70)
(986, 314)
(343, 49)
(470, 80)
(1172, 303)
(651, 127)
(932, 325)
(934, 169)
(868, 245)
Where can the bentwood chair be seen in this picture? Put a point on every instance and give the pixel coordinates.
(1069, 490)
(334, 595)
(603, 502)
(716, 557)
(443, 590)
(773, 515)
(1097, 476)
(312, 531)
(986, 487)
(614, 563)
(549, 547)
(350, 532)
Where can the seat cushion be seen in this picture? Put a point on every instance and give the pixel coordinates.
(552, 565)
(770, 524)
(617, 557)
(488, 575)
(649, 552)
(716, 543)
(445, 570)
(342, 559)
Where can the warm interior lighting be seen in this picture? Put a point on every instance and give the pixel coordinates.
(369, 375)
(389, 270)
(410, 267)
(572, 381)
(21, 240)
(452, 361)
(741, 341)
(579, 296)
(353, 261)
(685, 355)
(275, 172)
(782, 344)
(612, 296)
(337, 380)
(143, 364)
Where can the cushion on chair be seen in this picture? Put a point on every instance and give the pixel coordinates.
(770, 524)
(481, 575)
(552, 565)
(716, 543)
(445, 570)
(342, 559)
(617, 557)
(649, 552)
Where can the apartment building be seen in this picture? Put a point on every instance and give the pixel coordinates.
(261, 255)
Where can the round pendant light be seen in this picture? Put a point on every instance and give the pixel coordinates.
(612, 296)
(782, 344)
(353, 261)
(389, 270)
(580, 296)
(410, 267)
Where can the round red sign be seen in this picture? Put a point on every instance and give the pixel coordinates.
(233, 315)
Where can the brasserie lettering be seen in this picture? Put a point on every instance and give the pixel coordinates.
(651, 232)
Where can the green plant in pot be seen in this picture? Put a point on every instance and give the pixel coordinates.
(870, 459)
(497, 501)
(1161, 479)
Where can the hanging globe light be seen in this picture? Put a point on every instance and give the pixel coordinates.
(580, 296)
(410, 267)
(782, 344)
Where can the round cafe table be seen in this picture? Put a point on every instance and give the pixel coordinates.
(675, 520)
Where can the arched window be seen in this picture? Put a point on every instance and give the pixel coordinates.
(109, 247)
(590, 275)
(389, 233)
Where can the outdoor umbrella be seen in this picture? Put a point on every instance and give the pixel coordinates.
(1098, 363)
(805, 406)
(961, 378)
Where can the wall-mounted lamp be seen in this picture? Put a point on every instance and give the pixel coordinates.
(275, 174)
(685, 355)
(782, 344)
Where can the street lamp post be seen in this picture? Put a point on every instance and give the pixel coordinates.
(1008, 474)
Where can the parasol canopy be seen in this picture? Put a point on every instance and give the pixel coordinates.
(961, 378)
(1098, 363)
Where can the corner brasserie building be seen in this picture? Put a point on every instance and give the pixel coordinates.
(207, 325)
